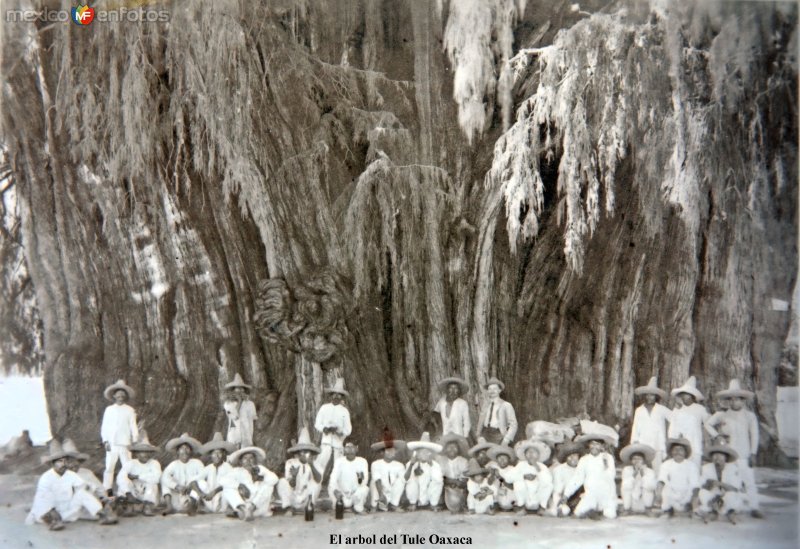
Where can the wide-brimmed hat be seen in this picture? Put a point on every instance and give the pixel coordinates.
(732, 455)
(338, 387)
(680, 442)
(689, 387)
(260, 454)
(494, 381)
(499, 449)
(457, 380)
(183, 439)
(303, 443)
(424, 442)
(217, 443)
(143, 444)
(238, 382)
(56, 451)
(475, 469)
(120, 384)
(400, 445)
(541, 447)
(735, 390)
(482, 445)
(70, 448)
(568, 448)
(651, 389)
(627, 453)
(461, 442)
(587, 437)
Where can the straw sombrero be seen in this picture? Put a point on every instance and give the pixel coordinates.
(541, 447)
(55, 452)
(586, 437)
(424, 442)
(735, 390)
(461, 442)
(238, 382)
(627, 453)
(494, 381)
(499, 449)
(183, 439)
(338, 387)
(651, 389)
(689, 387)
(448, 380)
(482, 445)
(260, 454)
(143, 444)
(680, 442)
(70, 448)
(303, 443)
(399, 445)
(120, 384)
(731, 454)
(217, 443)
(475, 469)
(568, 448)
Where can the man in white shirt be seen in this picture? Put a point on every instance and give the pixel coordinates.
(350, 479)
(598, 473)
(498, 421)
(138, 480)
(453, 463)
(216, 475)
(251, 485)
(179, 477)
(502, 467)
(688, 421)
(118, 430)
(453, 409)
(333, 423)
(424, 479)
(241, 413)
(722, 486)
(388, 477)
(533, 482)
(639, 481)
(678, 479)
(650, 421)
(74, 464)
(567, 484)
(61, 495)
(301, 479)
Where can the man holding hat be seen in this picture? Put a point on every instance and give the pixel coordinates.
(678, 479)
(388, 476)
(216, 475)
(453, 463)
(180, 476)
(722, 487)
(118, 429)
(688, 420)
(423, 476)
(452, 408)
(598, 474)
(333, 423)
(567, 484)
(250, 486)
(498, 422)
(61, 495)
(650, 421)
(533, 482)
(740, 426)
(241, 412)
(138, 480)
(638, 480)
(350, 479)
(301, 479)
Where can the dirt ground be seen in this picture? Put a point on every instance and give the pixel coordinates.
(779, 490)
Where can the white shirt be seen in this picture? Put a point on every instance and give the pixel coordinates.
(333, 415)
(217, 476)
(538, 470)
(687, 422)
(474, 487)
(499, 414)
(91, 481)
(344, 476)
(650, 427)
(387, 472)
(54, 490)
(566, 480)
(304, 475)
(240, 475)
(241, 417)
(430, 469)
(679, 476)
(730, 475)
(647, 480)
(453, 468)
(741, 428)
(458, 420)
(597, 472)
(178, 473)
(119, 425)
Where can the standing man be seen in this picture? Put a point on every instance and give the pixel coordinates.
(333, 423)
(452, 408)
(498, 422)
(118, 430)
(650, 422)
(241, 412)
(688, 420)
(740, 426)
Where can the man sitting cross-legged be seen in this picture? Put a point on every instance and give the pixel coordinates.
(251, 485)
(216, 475)
(533, 482)
(388, 476)
(137, 481)
(179, 477)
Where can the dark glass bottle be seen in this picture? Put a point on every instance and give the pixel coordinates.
(309, 510)
(339, 509)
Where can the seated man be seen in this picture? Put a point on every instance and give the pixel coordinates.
(503, 472)
(567, 483)
(480, 490)
(638, 480)
(722, 487)
(597, 473)
(61, 495)
(388, 477)
(453, 463)
(215, 475)
(350, 479)
(301, 479)
(678, 479)
(179, 477)
(137, 481)
(480, 453)
(533, 482)
(248, 489)
(74, 464)
(423, 476)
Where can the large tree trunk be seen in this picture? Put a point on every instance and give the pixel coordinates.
(288, 194)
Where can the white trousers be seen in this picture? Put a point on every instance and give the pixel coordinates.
(180, 502)
(117, 453)
(532, 494)
(506, 497)
(750, 488)
(599, 496)
(292, 497)
(82, 505)
(326, 451)
(731, 501)
(675, 498)
(393, 492)
(260, 498)
(480, 506)
(214, 505)
(355, 498)
(143, 491)
(423, 489)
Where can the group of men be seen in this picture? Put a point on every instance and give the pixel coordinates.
(662, 468)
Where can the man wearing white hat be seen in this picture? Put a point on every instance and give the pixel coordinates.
(498, 421)
(453, 409)
(688, 420)
(251, 485)
(118, 429)
(639, 481)
(532, 480)
(722, 486)
(301, 479)
(74, 464)
(241, 412)
(179, 477)
(650, 421)
(333, 423)
(350, 479)
(740, 426)
(388, 476)
(424, 479)
(597, 473)
(678, 479)
(216, 475)
(138, 480)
